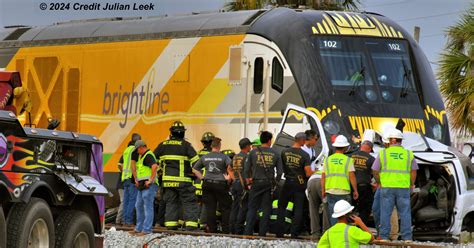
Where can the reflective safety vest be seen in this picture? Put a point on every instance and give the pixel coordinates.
(337, 172)
(344, 235)
(198, 182)
(144, 172)
(395, 167)
(127, 163)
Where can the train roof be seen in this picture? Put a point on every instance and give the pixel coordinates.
(195, 25)
(136, 28)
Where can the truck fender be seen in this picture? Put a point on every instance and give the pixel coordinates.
(26, 195)
(4, 191)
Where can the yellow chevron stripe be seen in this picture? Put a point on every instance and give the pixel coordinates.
(321, 29)
(329, 31)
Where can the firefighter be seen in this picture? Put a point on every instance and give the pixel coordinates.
(229, 152)
(297, 168)
(363, 163)
(216, 185)
(262, 161)
(126, 166)
(338, 176)
(147, 184)
(206, 141)
(238, 188)
(176, 157)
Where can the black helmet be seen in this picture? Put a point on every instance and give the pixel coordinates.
(177, 126)
(229, 153)
(207, 137)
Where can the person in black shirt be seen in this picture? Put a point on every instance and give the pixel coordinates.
(297, 168)
(363, 163)
(239, 206)
(215, 185)
(262, 162)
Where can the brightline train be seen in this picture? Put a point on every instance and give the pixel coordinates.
(229, 73)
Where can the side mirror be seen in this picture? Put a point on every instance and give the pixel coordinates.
(468, 150)
(282, 112)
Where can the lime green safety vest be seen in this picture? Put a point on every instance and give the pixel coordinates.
(127, 162)
(337, 172)
(395, 167)
(144, 172)
(344, 235)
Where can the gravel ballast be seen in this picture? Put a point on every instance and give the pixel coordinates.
(118, 239)
(115, 238)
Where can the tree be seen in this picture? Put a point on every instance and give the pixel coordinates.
(456, 73)
(235, 5)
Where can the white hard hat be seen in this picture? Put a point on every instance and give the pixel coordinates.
(386, 133)
(341, 208)
(340, 141)
(395, 134)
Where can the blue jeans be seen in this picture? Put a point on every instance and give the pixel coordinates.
(145, 210)
(376, 210)
(332, 199)
(129, 199)
(399, 197)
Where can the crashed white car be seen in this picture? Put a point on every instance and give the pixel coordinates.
(443, 201)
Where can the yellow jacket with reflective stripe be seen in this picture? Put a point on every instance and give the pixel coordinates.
(176, 157)
(127, 163)
(337, 172)
(144, 172)
(343, 235)
(395, 167)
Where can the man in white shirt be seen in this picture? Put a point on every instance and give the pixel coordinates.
(314, 187)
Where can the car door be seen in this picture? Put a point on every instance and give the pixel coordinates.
(298, 119)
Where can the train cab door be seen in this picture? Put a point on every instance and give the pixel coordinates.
(297, 119)
(253, 65)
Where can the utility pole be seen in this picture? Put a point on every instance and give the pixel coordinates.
(416, 34)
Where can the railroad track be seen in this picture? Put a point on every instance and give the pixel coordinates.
(167, 232)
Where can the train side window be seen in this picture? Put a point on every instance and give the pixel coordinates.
(277, 75)
(258, 76)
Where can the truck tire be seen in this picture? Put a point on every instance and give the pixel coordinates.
(3, 229)
(30, 225)
(74, 229)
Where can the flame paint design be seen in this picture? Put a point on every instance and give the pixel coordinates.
(14, 179)
(20, 162)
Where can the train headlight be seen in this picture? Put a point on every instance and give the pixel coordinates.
(387, 96)
(437, 132)
(331, 127)
(371, 95)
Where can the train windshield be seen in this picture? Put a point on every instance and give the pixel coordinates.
(368, 70)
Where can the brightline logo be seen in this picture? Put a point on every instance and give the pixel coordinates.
(134, 101)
